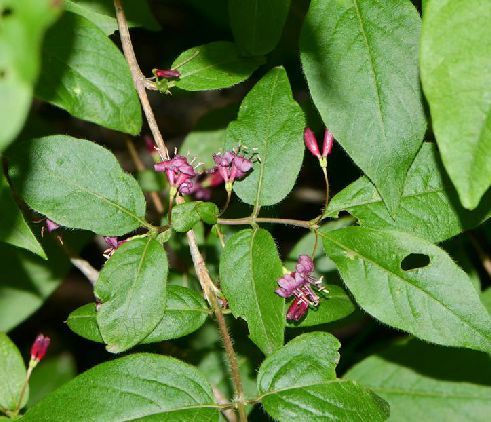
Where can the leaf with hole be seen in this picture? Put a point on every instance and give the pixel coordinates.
(360, 59)
(23, 23)
(271, 121)
(144, 386)
(429, 206)
(436, 302)
(132, 291)
(12, 375)
(185, 312)
(257, 25)
(429, 383)
(215, 65)
(101, 13)
(456, 77)
(85, 74)
(14, 229)
(249, 268)
(77, 184)
(299, 382)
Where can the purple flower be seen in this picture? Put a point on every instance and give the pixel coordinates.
(231, 166)
(299, 285)
(178, 171)
(113, 244)
(51, 226)
(313, 146)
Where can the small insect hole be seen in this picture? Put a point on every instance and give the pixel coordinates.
(414, 261)
(6, 12)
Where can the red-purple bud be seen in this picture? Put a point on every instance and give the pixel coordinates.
(51, 226)
(297, 309)
(149, 144)
(167, 73)
(311, 142)
(328, 143)
(39, 347)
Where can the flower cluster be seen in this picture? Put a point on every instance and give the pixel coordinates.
(179, 172)
(313, 146)
(299, 284)
(38, 349)
(231, 166)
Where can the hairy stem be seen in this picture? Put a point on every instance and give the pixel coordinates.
(138, 78)
(157, 203)
(253, 220)
(209, 290)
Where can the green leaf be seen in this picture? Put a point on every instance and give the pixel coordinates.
(101, 13)
(422, 382)
(132, 290)
(436, 302)
(150, 181)
(332, 306)
(428, 207)
(213, 66)
(23, 23)
(249, 268)
(185, 216)
(258, 24)
(77, 184)
(486, 299)
(85, 74)
(50, 374)
(456, 76)
(299, 382)
(26, 280)
(271, 121)
(140, 386)
(14, 229)
(12, 375)
(185, 312)
(360, 59)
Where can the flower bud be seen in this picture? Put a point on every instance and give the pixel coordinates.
(166, 73)
(38, 349)
(311, 142)
(328, 143)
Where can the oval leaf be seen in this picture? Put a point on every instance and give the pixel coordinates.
(77, 184)
(14, 229)
(360, 59)
(186, 215)
(132, 291)
(20, 43)
(249, 268)
(456, 76)
(142, 385)
(425, 383)
(84, 73)
(428, 207)
(258, 24)
(271, 121)
(299, 382)
(12, 375)
(213, 66)
(185, 312)
(436, 302)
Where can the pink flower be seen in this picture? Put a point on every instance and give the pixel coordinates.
(39, 348)
(113, 244)
(313, 146)
(51, 226)
(328, 143)
(178, 171)
(299, 285)
(166, 73)
(231, 166)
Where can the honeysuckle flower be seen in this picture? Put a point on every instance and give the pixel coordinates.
(166, 73)
(313, 146)
(231, 166)
(113, 244)
(178, 171)
(328, 142)
(38, 349)
(299, 285)
(311, 142)
(51, 226)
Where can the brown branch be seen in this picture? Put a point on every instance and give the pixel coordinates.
(483, 255)
(157, 203)
(139, 79)
(253, 220)
(228, 414)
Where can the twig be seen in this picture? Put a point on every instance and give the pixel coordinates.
(483, 255)
(253, 220)
(209, 290)
(139, 79)
(228, 414)
(81, 264)
(141, 167)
